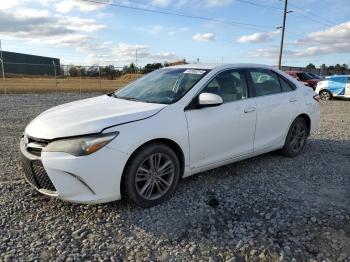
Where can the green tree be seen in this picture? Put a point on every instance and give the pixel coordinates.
(151, 67)
(73, 71)
(92, 71)
(110, 72)
(131, 69)
(310, 66)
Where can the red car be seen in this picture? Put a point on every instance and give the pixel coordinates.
(304, 77)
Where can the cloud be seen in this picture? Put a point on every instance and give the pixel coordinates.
(336, 34)
(165, 56)
(215, 3)
(67, 6)
(66, 40)
(8, 4)
(155, 29)
(196, 3)
(333, 40)
(126, 53)
(82, 25)
(39, 24)
(161, 3)
(257, 37)
(207, 37)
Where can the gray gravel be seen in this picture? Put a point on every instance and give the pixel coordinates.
(268, 208)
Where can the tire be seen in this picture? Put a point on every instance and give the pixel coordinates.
(325, 95)
(151, 175)
(296, 138)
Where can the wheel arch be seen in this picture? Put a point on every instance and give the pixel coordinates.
(168, 142)
(307, 119)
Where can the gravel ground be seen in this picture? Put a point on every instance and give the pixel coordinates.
(268, 208)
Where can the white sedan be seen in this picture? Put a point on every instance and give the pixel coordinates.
(137, 143)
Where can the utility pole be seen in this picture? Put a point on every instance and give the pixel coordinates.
(2, 62)
(283, 30)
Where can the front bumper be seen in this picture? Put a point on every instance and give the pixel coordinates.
(88, 179)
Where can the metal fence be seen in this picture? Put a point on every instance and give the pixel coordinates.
(77, 78)
(66, 78)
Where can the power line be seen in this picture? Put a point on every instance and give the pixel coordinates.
(260, 5)
(299, 13)
(299, 10)
(169, 12)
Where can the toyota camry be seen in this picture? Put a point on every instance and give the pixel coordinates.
(140, 141)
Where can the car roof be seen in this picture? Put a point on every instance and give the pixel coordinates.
(220, 66)
(295, 72)
(340, 76)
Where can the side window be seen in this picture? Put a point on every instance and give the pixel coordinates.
(348, 80)
(286, 86)
(265, 82)
(231, 85)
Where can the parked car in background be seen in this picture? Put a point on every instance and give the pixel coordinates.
(334, 86)
(315, 76)
(304, 77)
(138, 142)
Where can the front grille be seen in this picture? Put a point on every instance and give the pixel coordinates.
(36, 174)
(35, 145)
(28, 171)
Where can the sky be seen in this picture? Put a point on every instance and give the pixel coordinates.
(102, 32)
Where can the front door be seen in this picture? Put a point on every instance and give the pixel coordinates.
(222, 132)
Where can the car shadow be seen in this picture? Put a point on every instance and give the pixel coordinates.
(223, 202)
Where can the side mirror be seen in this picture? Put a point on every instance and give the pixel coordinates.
(210, 99)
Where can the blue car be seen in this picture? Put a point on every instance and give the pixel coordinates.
(334, 86)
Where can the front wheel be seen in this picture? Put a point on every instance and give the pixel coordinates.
(151, 176)
(296, 138)
(325, 95)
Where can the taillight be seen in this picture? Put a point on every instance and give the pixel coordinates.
(317, 98)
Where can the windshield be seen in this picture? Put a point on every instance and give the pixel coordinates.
(314, 76)
(164, 86)
(304, 76)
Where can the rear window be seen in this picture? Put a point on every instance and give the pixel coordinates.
(286, 85)
(267, 82)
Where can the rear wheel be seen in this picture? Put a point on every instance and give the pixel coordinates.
(151, 175)
(325, 95)
(296, 138)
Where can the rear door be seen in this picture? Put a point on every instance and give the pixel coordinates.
(277, 105)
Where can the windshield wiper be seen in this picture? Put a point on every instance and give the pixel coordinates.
(130, 98)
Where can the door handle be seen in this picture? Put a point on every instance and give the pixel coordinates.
(293, 99)
(249, 109)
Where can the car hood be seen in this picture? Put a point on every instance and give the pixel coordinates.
(88, 116)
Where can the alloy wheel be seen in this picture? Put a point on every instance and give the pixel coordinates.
(298, 136)
(154, 176)
(325, 95)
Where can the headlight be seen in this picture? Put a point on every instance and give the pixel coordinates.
(81, 146)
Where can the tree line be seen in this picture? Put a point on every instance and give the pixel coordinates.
(337, 67)
(112, 72)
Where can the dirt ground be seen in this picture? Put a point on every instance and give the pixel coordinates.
(40, 85)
